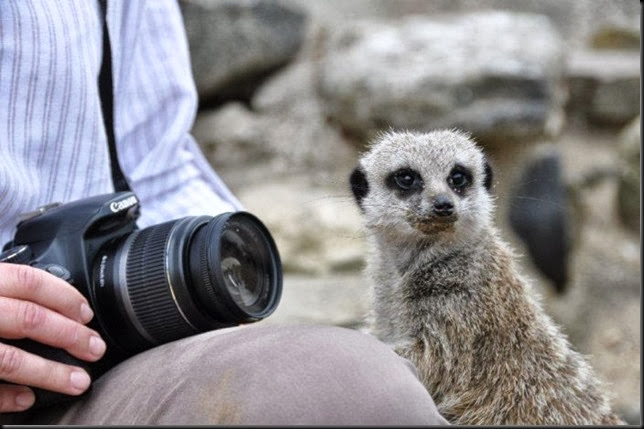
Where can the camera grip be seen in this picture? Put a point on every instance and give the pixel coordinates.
(45, 398)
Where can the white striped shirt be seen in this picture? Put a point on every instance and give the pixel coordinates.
(52, 138)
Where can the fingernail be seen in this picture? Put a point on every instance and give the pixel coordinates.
(86, 313)
(96, 346)
(79, 380)
(25, 399)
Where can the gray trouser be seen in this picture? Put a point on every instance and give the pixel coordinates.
(257, 375)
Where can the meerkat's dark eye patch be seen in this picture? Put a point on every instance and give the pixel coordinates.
(459, 179)
(488, 176)
(359, 185)
(405, 180)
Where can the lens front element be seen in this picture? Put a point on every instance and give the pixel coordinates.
(239, 273)
(245, 267)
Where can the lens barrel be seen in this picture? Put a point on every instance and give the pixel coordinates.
(187, 276)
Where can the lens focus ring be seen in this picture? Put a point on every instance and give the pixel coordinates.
(150, 293)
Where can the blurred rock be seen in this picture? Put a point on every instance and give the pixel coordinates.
(616, 102)
(616, 38)
(578, 21)
(317, 230)
(628, 191)
(604, 86)
(601, 310)
(235, 44)
(335, 299)
(306, 141)
(420, 73)
(232, 136)
(284, 134)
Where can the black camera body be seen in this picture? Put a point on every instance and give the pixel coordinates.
(153, 285)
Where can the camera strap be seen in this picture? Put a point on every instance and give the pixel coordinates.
(106, 94)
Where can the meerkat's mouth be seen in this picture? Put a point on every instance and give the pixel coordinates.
(434, 224)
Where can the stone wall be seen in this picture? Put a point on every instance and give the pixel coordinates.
(292, 90)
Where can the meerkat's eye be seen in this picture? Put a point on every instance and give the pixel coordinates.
(405, 180)
(459, 178)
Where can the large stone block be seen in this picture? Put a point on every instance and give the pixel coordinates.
(604, 87)
(495, 74)
(235, 44)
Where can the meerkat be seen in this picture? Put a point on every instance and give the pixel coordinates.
(447, 293)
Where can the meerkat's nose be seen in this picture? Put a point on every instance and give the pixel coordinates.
(443, 205)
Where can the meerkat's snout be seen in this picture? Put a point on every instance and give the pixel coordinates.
(443, 207)
(437, 213)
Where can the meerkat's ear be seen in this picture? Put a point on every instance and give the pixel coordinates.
(359, 185)
(487, 181)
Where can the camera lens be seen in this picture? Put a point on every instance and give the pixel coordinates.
(186, 276)
(235, 268)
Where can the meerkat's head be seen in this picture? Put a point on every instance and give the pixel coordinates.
(424, 186)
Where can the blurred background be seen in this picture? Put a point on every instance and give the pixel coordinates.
(291, 92)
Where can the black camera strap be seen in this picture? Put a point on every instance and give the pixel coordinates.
(106, 94)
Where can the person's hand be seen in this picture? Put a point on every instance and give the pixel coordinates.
(37, 305)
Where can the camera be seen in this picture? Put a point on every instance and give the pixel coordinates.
(152, 285)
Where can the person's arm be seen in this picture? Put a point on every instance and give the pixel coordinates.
(37, 305)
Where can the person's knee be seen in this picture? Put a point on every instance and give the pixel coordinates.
(374, 384)
(323, 375)
(260, 375)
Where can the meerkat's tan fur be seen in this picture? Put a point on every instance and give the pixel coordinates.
(447, 293)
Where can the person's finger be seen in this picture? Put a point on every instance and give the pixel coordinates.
(20, 367)
(36, 285)
(14, 398)
(26, 319)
